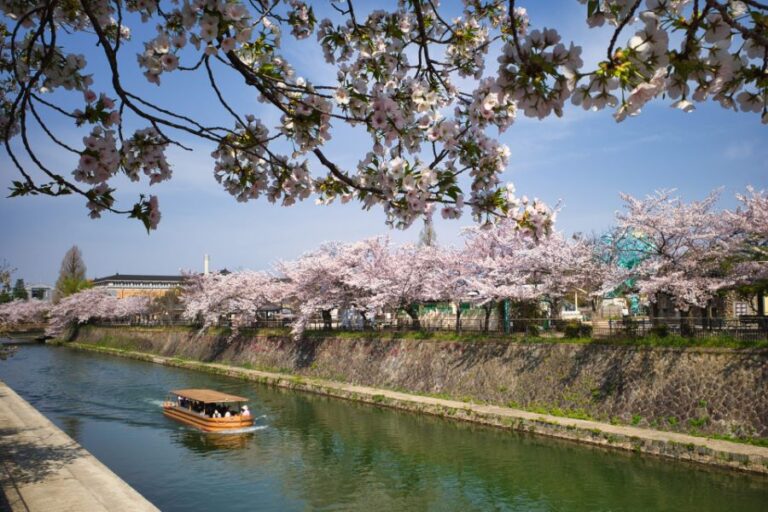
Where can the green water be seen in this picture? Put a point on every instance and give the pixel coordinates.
(315, 453)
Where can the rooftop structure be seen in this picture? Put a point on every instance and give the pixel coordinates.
(129, 285)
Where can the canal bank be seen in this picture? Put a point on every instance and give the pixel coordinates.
(43, 469)
(671, 445)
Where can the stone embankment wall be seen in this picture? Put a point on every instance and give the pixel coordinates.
(705, 391)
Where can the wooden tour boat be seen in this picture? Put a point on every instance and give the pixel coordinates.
(201, 408)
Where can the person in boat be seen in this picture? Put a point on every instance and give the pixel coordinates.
(216, 413)
(227, 414)
(244, 411)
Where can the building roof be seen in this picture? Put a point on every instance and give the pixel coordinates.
(208, 396)
(137, 277)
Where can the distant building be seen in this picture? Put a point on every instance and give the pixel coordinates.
(129, 285)
(40, 291)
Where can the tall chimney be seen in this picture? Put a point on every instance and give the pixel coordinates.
(206, 263)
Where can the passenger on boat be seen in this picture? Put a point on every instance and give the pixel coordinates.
(244, 411)
(216, 413)
(227, 414)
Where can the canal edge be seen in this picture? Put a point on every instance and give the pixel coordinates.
(671, 445)
(44, 469)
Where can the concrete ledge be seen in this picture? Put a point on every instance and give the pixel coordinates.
(672, 445)
(43, 469)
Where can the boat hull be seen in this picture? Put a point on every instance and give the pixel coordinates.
(207, 424)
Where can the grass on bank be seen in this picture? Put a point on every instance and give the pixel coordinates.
(471, 337)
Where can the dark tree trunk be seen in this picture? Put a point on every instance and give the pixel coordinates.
(413, 312)
(458, 317)
(685, 323)
(327, 321)
(366, 321)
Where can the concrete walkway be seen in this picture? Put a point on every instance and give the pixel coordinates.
(43, 469)
(743, 457)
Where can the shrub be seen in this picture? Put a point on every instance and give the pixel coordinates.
(630, 326)
(572, 329)
(660, 330)
(585, 330)
(533, 330)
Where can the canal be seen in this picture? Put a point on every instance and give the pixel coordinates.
(310, 452)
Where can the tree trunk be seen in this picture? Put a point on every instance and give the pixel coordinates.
(458, 317)
(555, 314)
(488, 310)
(413, 312)
(367, 322)
(761, 303)
(327, 321)
(685, 323)
(655, 311)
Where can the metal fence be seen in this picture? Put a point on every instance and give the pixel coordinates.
(741, 329)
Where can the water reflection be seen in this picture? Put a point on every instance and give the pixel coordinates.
(202, 442)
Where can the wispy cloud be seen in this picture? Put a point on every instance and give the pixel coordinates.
(739, 150)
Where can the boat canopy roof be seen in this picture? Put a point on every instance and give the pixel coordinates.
(208, 396)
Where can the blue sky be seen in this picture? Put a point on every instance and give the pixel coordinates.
(584, 160)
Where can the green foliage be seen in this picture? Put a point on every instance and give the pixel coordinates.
(70, 285)
(660, 330)
(71, 274)
(576, 329)
(20, 291)
(698, 422)
(756, 441)
(572, 329)
(686, 330)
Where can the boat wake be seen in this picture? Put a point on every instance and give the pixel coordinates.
(244, 430)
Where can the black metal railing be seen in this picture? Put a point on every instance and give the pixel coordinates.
(739, 329)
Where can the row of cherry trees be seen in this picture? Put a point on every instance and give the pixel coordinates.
(23, 312)
(688, 252)
(92, 304)
(76, 309)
